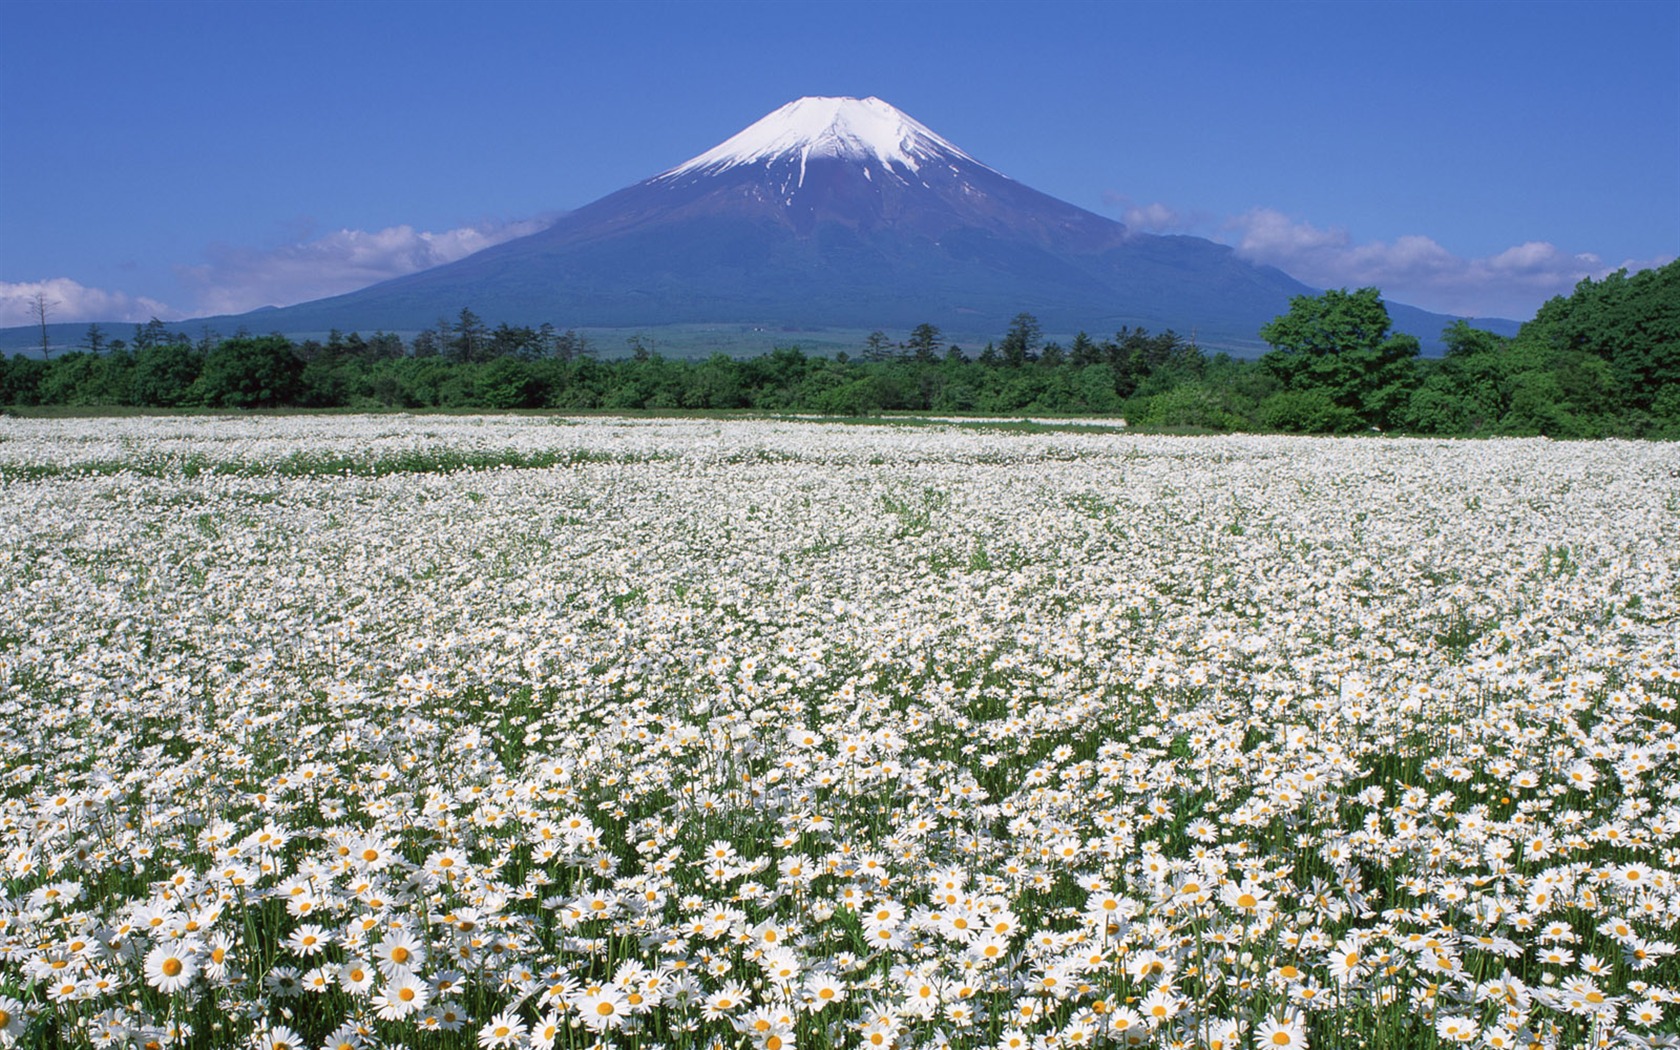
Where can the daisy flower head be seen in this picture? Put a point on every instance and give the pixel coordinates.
(307, 940)
(1223, 1034)
(1452, 1028)
(448, 864)
(724, 1001)
(347, 1036)
(399, 951)
(356, 976)
(11, 1020)
(171, 967)
(1013, 1039)
(1158, 1008)
(546, 1031)
(406, 994)
(1279, 1033)
(278, 1037)
(503, 1030)
(768, 1029)
(603, 1009)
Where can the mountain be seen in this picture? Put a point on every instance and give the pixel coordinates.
(839, 213)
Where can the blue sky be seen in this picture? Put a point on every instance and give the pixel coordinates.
(191, 158)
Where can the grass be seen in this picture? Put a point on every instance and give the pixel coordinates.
(308, 465)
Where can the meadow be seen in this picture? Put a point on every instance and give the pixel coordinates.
(688, 733)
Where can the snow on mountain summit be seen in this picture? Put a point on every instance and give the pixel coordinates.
(850, 128)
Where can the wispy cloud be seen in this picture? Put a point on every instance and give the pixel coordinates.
(69, 301)
(1418, 270)
(237, 279)
(1411, 269)
(1153, 217)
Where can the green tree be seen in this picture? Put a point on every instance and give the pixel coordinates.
(1189, 405)
(714, 383)
(572, 346)
(384, 346)
(1464, 341)
(1020, 343)
(21, 383)
(877, 347)
(1338, 343)
(924, 342)
(1094, 386)
(1307, 412)
(260, 372)
(163, 375)
(508, 341)
(78, 378)
(153, 333)
(509, 382)
(471, 340)
(1630, 323)
(1084, 351)
(1469, 390)
(425, 343)
(1319, 326)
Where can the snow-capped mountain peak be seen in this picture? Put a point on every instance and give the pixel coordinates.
(850, 128)
(836, 213)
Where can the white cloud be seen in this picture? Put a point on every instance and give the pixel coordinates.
(1415, 269)
(69, 302)
(1153, 217)
(1411, 269)
(237, 279)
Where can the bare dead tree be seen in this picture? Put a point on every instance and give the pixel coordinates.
(43, 306)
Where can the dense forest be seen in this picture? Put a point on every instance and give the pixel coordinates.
(1604, 361)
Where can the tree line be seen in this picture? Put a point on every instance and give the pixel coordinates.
(1603, 361)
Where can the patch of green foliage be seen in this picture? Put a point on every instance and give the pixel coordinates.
(1603, 361)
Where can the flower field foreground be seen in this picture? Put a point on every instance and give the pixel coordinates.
(675, 734)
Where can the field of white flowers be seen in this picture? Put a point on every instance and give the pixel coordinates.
(460, 732)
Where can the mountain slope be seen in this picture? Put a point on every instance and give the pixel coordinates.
(834, 212)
